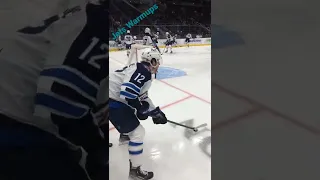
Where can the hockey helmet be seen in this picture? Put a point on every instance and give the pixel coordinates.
(153, 58)
(147, 30)
(128, 31)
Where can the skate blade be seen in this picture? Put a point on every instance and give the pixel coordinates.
(123, 143)
(138, 178)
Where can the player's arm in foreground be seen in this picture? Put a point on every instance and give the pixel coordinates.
(72, 90)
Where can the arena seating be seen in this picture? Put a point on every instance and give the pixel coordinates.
(175, 16)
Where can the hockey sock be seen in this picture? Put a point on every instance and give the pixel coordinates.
(156, 46)
(158, 49)
(135, 146)
(135, 152)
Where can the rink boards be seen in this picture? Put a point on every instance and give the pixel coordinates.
(180, 43)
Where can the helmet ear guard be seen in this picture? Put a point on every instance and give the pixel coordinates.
(152, 57)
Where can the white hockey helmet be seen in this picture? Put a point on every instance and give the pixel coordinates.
(167, 33)
(134, 37)
(147, 30)
(153, 57)
(128, 31)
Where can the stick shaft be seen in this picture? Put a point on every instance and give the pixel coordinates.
(178, 124)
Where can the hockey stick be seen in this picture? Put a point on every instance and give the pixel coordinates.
(195, 129)
(164, 49)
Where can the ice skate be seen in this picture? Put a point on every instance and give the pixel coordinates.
(136, 173)
(123, 139)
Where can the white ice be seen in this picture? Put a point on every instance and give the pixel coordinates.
(167, 150)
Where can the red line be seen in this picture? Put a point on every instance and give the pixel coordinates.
(185, 92)
(236, 118)
(292, 120)
(168, 105)
(176, 102)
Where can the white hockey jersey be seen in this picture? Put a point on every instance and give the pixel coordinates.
(54, 67)
(131, 82)
(128, 39)
(188, 36)
(169, 37)
(147, 40)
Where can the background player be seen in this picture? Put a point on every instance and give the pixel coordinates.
(128, 39)
(134, 39)
(168, 43)
(156, 37)
(129, 103)
(57, 70)
(174, 39)
(149, 40)
(188, 37)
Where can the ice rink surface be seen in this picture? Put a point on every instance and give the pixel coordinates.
(171, 152)
(266, 91)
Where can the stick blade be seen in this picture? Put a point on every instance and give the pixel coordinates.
(202, 125)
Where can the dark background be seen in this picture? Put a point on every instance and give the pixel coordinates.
(265, 85)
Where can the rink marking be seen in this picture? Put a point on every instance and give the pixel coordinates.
(167, 105)
(170, 85)
(236, 118)
(275, 112)
(186, 92)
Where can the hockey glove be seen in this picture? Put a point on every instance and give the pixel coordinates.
(142, 113)
(158, 116)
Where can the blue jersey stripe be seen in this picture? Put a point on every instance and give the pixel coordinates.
(132, 86)
(71, 78)
(128, 95)
(59, 105)
(128, 90)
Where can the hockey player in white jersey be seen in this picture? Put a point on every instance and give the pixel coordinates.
(175, 39)
(128, 39)
(168, 43)
(134, 39)
(149, 40)
(54, 76)
(129, 103)
(188, 37)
